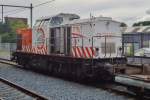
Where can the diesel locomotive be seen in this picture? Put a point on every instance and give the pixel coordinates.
(66, 46)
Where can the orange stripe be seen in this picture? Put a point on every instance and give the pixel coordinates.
(41, 51)
(25, 49)
(79, 52)
(73, 52)
(84, 52)
(93, 51)
(45, 49)
(74, 48)
(88, 51)
(35, 50)
(30, 49)
(78, 55)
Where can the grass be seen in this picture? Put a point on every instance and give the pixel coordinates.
(4, 54)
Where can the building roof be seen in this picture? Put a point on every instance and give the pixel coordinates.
(137, 29)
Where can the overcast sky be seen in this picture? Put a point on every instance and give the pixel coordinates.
(128, 11)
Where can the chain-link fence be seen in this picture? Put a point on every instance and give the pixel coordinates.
(6, 50)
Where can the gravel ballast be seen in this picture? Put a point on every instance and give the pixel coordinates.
(53, 88)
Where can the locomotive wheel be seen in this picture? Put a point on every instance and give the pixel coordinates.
(55, 69)
(59, 70)
(80, 75)
(26, 66)
(19, 61)
(64, 71)
(50, 68)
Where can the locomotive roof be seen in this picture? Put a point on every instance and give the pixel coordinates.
(75, 16)
(84, 21)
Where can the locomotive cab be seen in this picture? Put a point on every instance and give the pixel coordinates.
(60, 41)
(50, 37)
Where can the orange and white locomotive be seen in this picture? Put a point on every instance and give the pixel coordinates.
(67, 46)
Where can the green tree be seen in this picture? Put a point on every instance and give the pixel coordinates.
(142, 23)
(17, 24)
(9, 38)
(8, 31)
(4, 28)
(123, 24)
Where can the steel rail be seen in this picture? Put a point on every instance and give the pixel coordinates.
(9, 62)
(23, 90)
(112, 87)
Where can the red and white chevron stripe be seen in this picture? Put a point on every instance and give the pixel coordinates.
(39, 51)
(34, 50)
(83, 52)
(26, 49)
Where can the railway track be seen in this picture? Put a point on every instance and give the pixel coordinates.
(11, 91)
(120, 89)
(111, 87)
(115, 88)
(9, 62)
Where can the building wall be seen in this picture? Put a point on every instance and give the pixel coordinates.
(134, 41)
(9, 19)
(109, 29)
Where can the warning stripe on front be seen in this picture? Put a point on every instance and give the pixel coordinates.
(79, 52)
(83, 52)
(35, 50)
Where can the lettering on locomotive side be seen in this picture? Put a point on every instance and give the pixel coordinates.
(40, 40)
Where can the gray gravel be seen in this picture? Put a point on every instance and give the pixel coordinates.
(53, 88)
